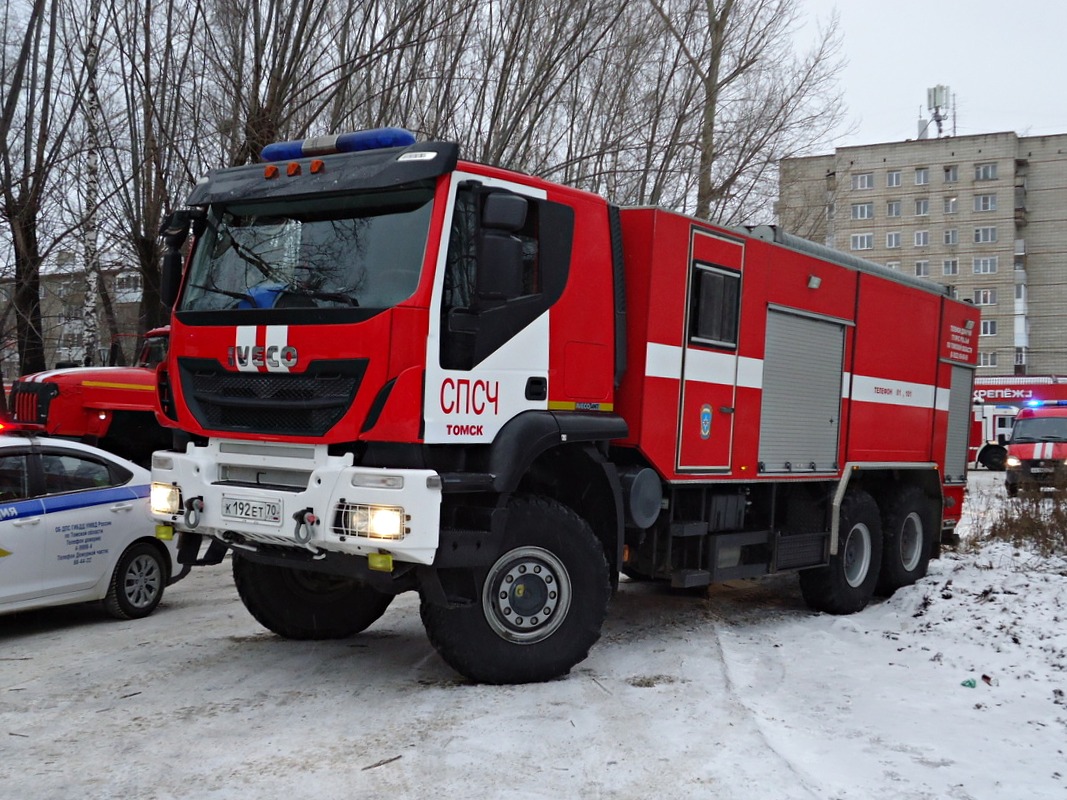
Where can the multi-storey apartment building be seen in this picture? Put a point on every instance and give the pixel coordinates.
(985, 214)
(63, 316)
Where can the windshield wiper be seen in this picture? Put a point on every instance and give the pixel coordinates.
(339, 297)
(227, 292)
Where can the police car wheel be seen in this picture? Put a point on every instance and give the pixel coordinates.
(302, 604)
(540, 605)
(137, 583)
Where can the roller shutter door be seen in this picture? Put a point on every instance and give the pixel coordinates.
(801, 409)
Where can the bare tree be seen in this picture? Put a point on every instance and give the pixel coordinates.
(759, 102)
(39, 100)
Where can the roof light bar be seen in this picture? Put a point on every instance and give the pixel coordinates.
(353, 142)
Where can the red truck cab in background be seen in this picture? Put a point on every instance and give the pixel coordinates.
(110, 407)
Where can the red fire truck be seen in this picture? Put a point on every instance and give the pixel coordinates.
(110, 407)
(396, 370)
(997, 401)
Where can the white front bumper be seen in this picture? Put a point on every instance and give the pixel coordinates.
(315, 484)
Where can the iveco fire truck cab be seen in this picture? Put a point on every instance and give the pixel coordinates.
(1037, 449)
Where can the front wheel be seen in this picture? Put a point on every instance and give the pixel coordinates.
(846, 584)
(137, 583)
(302, 604)
(540, 606)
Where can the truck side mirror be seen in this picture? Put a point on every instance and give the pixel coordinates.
(173, 232)
(499, 251)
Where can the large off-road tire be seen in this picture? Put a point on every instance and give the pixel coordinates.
(540, 606)
(907, 532)
(300, 604)
(846, 584)
(137, 583)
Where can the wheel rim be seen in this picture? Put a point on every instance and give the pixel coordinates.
(911, 541)
(856, 555)
(143, 581)
(526, 595)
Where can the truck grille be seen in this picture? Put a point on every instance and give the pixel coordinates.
(296, 404)
(30, 401)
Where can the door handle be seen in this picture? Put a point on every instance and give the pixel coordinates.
(18, 523)
(122, 507)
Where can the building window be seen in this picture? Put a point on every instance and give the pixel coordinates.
(922, 207)
(895, 265)
(128, 287)
(863, 180)
(862, 241)
(985, 202)
(950, 266)
(922, 176)
(985, 172)
(953, 292)
(989, 327)
(987, 359)
(952, 173)
(1020, 291)
(892, 239)
(985, 297)
(862, 210)
(985, 235)
(985, 266)
(892, 178)
(922, 238)
(952, 236)
(1020, 356)
(922, 269)
(892, 208)
(952, 205)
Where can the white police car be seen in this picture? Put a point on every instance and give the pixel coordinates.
(75, 527)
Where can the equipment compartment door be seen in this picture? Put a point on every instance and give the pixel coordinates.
(800, 415)
(709, 354)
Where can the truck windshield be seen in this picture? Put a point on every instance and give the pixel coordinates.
(361, 251)
(1040, 429)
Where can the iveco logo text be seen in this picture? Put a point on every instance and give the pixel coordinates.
(270, 356)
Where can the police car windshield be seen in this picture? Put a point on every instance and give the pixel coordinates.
(362, 251)
(1040, 429)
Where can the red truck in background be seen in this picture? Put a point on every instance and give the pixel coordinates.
(997, 401)
(110, 407)
(1037, 449)
(395, 370)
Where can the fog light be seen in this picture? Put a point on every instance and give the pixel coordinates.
(1013, 461)
(372, 522)
(166, 498)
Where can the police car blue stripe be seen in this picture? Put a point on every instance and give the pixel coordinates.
(93, 497)
(23, 508)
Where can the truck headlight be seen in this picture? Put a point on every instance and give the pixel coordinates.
(1013, 461)
(372, 522)
(166, 498)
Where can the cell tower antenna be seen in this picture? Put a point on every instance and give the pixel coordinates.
(938, 104)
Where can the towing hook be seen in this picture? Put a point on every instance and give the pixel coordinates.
(194, 507)
(305, 521)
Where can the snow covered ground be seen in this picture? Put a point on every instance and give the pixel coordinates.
(742, 693)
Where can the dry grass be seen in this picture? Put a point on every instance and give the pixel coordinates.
(1036, 520)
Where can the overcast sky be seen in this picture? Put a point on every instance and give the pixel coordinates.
(1004, 61)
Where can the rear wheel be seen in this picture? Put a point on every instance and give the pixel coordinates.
(301, 604)
(540, 606)
(137, 583)
(907, 526)
(846, 584)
